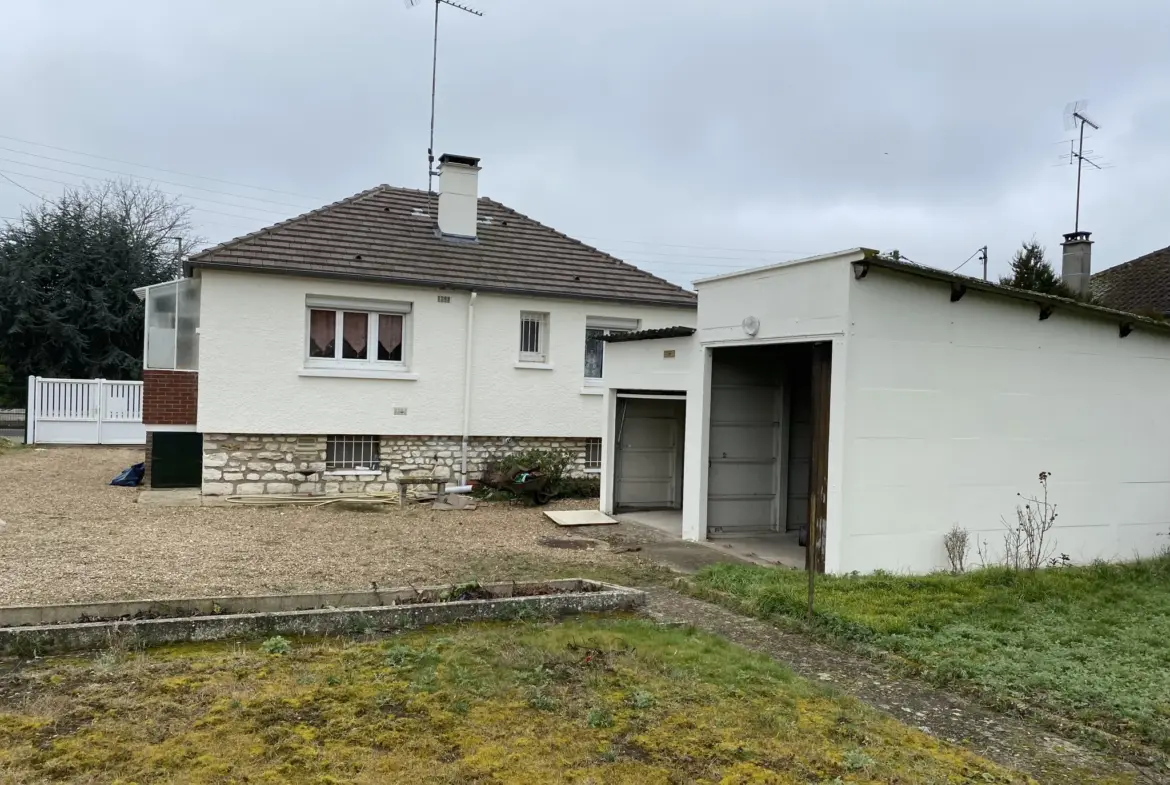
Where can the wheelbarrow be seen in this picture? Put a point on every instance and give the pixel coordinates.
(527, 482)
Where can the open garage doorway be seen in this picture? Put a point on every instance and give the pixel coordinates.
(648, 452)
(768, 449)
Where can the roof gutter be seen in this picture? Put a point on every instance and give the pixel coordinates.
(437, 284)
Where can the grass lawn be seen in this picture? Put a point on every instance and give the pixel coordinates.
(1091, 643)
(591, 700)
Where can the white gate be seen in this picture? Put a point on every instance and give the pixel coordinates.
(84, 411)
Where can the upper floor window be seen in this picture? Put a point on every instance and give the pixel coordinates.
(533, 337)
(357, 333)
(595, 328)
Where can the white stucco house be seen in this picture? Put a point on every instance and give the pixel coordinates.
(394, 331)
(889, 402)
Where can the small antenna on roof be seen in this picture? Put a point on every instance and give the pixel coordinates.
(1075, 119)
(434, 73)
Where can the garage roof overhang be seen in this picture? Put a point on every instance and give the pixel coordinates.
(646, 335)
(1046, 303)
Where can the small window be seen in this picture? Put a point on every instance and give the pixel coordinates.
(595, 328)
(593, 455)
(352, 453)
(533, 337)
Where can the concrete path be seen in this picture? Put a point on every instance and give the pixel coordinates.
(1008, 740)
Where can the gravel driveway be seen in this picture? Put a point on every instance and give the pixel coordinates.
(67, 536)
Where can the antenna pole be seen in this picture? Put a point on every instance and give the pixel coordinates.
(434, 77)
(983, 253)
(1080, 164)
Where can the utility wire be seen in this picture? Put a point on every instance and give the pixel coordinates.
(153, 180)
(237, 216)
(158, 168)
(21, 187)
(128, 174)
(969, 258)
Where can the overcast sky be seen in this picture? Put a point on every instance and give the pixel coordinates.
(688, 137)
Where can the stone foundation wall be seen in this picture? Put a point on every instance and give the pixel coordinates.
(280, 464)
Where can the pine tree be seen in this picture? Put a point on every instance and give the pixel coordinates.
(67, 273)
(1030, 270)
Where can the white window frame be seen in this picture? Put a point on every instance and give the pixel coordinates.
(540, 356)
(608, 325)
(373, 309)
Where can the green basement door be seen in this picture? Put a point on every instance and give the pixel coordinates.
(176, 459)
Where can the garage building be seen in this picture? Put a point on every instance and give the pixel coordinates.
(887, 402)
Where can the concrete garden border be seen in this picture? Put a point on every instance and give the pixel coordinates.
(53, 629)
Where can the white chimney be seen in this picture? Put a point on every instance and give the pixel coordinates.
(458, 195)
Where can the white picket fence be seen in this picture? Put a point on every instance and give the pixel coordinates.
(84, 411)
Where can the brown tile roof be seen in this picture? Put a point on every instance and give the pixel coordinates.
(1141, 285)
(389, 234)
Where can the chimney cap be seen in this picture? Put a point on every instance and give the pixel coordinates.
(1077, 237)
(461, 160)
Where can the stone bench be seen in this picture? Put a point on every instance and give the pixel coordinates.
(404, 483)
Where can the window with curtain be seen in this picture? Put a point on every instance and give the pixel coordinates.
(533, 337)
(356, 338)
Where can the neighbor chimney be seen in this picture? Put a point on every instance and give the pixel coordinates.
(458, 195)
(1076, 267)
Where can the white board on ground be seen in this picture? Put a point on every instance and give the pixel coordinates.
(578, 517)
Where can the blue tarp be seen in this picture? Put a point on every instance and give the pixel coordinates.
(130, 477)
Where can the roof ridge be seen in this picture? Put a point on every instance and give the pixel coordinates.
(282, 224)
(607, 255)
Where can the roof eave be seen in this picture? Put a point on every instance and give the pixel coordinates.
(191, 266)
(979, 285)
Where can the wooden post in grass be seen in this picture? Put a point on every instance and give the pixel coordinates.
(818, 487)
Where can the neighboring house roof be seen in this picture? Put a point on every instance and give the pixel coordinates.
(389, 234)
(1138, 286)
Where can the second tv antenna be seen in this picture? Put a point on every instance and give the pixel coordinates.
(434, 73)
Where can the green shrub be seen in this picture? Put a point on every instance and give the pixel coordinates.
(276, 645)
(556, 464)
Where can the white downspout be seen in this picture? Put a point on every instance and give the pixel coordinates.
(467, 391)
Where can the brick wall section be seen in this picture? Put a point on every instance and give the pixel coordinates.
(169, 397)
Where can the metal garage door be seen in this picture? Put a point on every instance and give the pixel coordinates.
(742, 476)
(648, 455)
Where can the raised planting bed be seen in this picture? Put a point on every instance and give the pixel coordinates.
(52, 629)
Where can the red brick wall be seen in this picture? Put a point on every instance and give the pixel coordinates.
(169, 397)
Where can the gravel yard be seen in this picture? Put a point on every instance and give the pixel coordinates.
(68, 536)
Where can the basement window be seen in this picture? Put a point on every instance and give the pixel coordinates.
(344, 454)
(593, 455)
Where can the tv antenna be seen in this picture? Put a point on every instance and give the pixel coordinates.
(434, 73)
(1075, 119)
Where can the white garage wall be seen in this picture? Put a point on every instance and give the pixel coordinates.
(252, 344)
(954, 408)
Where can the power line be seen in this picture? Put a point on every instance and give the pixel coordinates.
(969, 258)
(153, 180)
(159, 168)
(21, 187)
(237, 216)
(697, 247)
(128, 174)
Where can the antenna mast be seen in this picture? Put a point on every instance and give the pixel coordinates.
(1075, 118)
(434, 79)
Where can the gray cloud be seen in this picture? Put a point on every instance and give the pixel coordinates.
(669, 133)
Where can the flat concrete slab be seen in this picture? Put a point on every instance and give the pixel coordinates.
(579, 518)
(668, 521)
(171, 497)
(772, 550)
